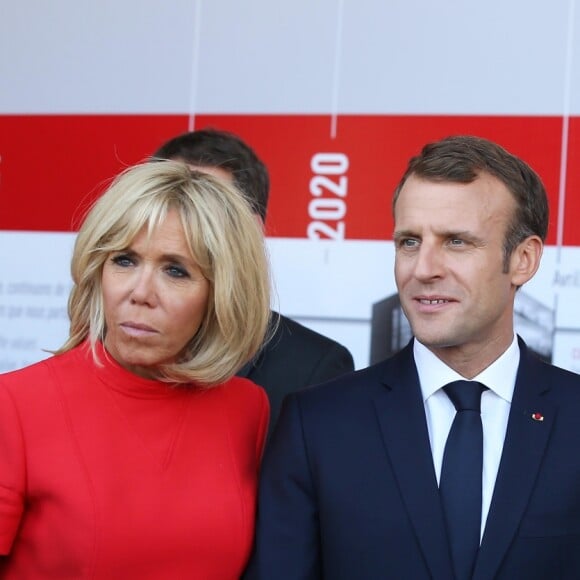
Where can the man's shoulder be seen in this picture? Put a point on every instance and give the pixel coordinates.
(359, 383)
(561, 379)
(350, 400)
(297, 356)
(533, 368)
(293, 332)
(394, 372)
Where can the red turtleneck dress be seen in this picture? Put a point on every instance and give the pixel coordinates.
(106, 475)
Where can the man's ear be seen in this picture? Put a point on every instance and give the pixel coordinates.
(525, 260)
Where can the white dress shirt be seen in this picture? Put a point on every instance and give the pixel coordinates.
(500, 378)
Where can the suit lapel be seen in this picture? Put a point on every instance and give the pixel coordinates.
(401, 416)
(523, 449)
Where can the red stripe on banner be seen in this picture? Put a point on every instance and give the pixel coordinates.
(53, 166)
(322, 187)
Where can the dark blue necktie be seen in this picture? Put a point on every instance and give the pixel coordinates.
(461, 472)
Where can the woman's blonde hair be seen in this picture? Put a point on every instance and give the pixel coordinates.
(226, 241)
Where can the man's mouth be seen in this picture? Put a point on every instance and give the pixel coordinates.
(436, 301)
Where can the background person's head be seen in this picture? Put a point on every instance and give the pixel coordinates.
(462, 158)
(130, 224)
(208, 149)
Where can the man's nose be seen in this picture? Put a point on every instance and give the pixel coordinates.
(429, 262)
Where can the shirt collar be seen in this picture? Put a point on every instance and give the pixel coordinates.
(499, 376)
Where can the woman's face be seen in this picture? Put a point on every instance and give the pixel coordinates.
(154, 297)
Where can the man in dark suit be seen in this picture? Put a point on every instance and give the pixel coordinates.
(295, 356)
(388, 472)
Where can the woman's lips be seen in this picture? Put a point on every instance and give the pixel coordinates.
(137, 329)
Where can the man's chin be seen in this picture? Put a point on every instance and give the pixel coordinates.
(432, 341)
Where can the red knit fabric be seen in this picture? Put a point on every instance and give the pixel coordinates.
(104, 474)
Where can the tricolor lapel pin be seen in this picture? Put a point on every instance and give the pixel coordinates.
(537, 416)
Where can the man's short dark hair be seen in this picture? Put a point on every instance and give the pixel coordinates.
(461, 159)
(213, 148)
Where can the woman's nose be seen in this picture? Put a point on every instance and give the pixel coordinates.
(144, 290)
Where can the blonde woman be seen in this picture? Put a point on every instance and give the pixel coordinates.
(134, 451)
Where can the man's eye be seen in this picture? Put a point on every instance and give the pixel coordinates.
(456, 242)
(408, 243)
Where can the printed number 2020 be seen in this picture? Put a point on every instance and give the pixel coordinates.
(329, 188)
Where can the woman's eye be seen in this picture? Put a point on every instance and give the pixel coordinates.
(177, 272)
(122, 260)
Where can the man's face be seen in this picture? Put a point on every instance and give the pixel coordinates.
(449, 264)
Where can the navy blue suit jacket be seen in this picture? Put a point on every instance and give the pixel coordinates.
(348, 489)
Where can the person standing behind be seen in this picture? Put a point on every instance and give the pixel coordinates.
(134, 452)
(457, 458)
(295, 356)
